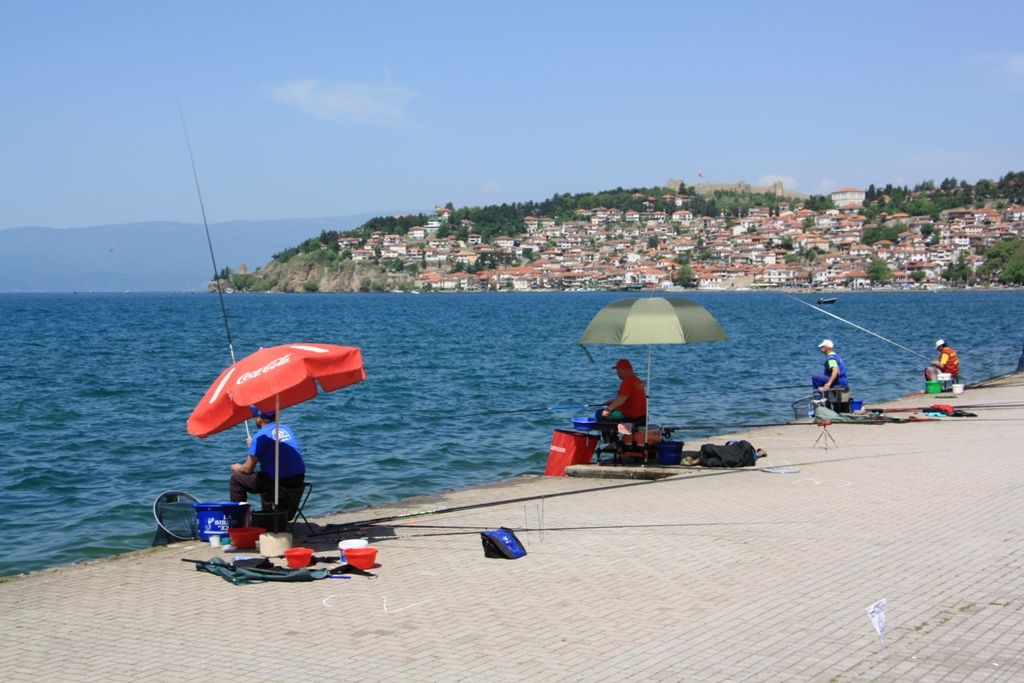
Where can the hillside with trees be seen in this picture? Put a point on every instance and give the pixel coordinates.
(356, 261)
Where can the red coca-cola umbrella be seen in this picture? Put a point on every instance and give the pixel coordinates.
(273, 379)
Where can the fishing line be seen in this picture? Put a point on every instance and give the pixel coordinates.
(209, 242)
(758, 389)
(858, 327)
(527, 529)
(697, 474)
(738, 426)
(335, 528)
(531, 410)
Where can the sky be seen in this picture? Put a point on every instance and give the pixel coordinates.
(311, 109)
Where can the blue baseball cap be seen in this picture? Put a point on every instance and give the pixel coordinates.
(259, 413)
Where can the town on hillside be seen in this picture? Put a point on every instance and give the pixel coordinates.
(668, 245)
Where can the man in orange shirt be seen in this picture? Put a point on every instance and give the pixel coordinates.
(947, 362)
(631, 400)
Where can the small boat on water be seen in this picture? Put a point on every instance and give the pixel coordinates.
(830, 300)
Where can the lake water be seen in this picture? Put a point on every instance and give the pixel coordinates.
(98, 388)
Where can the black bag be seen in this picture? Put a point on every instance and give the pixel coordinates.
(502, 543)
(732, 454)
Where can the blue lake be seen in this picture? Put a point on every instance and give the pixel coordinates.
(98, 388)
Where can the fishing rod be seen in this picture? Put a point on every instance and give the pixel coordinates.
(209, 242)
(533, 410)
(858, 327)
(748, 391)
(738, 426)
(355, 526)
(544, 530)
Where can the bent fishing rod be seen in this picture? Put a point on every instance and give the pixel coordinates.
(209, 242)
(858, 327)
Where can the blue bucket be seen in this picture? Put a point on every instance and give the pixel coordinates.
(856, 405)
(214, 519)
(670, 452)
(584, 424)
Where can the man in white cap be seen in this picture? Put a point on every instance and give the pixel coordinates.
(835, 369)
(947, 362)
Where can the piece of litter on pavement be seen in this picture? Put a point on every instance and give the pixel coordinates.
(782, 468)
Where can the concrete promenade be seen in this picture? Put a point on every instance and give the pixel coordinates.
(738, 575)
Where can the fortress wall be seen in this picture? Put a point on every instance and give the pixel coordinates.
(741, 187)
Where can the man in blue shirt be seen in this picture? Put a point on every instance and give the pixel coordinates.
(246, 479)
(835, 369)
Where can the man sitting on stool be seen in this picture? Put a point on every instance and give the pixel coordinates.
(246, 479)
(835, 370)
(947, 362)
(631, 401)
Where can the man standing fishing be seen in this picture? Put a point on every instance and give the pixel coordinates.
(246, 479)
(631, 400)
(947, 362)
(835, 369)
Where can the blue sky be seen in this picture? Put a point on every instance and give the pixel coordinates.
(337, 108)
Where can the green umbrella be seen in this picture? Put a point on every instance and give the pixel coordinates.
(655, 320)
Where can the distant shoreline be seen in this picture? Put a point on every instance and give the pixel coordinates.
(640, 292)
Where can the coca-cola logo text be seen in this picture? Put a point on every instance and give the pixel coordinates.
(276, 363)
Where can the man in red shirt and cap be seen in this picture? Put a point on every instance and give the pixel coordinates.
(631, 400)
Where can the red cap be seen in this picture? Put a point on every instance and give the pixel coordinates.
(623, 363)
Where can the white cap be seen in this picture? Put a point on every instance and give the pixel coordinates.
(828, 343)
(940, 343)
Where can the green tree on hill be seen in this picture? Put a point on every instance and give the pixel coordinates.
(1004, 260)
(878, 272)
(959, 272)
(892, 234)
(818, 202)
(683, 275)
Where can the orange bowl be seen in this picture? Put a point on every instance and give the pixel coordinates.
(298, 557)
(361, 558)
(245, 536)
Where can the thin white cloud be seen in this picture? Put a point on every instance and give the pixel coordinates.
(491, 186)
(1001, 70)
(787, 182)
(377, 105)
(828, 185)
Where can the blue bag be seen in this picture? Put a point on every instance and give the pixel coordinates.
(502, 543)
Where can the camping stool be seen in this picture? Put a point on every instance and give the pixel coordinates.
(825, 434)
(837, 398)
(293, 500)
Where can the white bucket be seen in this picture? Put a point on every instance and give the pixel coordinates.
(351, 543)
(958, 389)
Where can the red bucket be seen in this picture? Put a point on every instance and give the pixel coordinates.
(298, 557)
(568, 448)
(361, 558)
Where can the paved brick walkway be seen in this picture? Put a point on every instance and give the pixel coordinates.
(710, 576)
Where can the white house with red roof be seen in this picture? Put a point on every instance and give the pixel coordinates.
(848, 196)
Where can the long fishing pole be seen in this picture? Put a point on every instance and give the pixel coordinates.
(858, 327)
(533, 410)
(209, 242)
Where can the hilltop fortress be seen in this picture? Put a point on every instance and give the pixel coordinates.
(741, 187)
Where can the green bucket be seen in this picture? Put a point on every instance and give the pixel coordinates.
(932, 386)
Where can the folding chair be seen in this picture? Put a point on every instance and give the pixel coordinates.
(294, 501)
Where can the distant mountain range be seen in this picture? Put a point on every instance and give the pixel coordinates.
(153, 257)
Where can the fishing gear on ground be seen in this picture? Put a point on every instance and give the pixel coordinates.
(502, 543)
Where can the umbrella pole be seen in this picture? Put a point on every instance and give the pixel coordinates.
(647, 397)
(277, 448)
